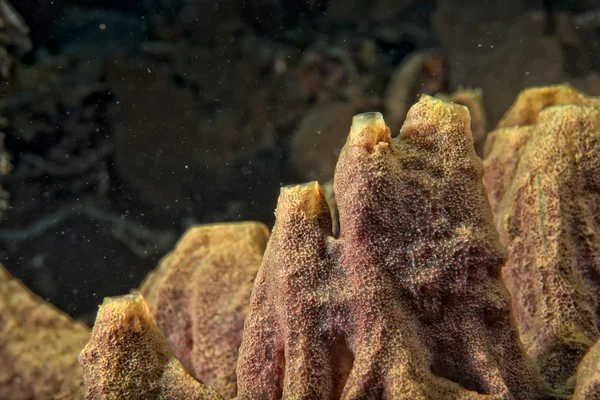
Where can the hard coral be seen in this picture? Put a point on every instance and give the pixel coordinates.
(128, 358)
(38, 346)
(200, 293)
(408, 302)
(542, 177)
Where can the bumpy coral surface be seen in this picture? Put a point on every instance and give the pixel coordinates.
(200, 295)
(128, 358)
(473, 99)
(542, 174)
(588, 376)
(408, 302)
(38, 346)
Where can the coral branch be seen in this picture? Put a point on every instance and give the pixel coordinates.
(139, 239)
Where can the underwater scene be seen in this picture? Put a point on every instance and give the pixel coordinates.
(300, 199)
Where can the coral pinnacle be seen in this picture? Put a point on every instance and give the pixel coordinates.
(408, 301)
(128, 358)
(542, 177)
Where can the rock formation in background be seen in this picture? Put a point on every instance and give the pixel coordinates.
(497, 44)
(14, 38)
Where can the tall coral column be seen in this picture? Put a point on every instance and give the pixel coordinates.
(542, 173)
(408, 301)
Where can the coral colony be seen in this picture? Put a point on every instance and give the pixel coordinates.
(427, 282)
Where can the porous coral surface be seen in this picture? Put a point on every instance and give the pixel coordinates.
(128, 358)
(588, 376)
(38, 346)
(541, 172)
(408, 302)
(200, 294)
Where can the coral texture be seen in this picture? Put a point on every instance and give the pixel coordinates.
(588, 376)
(542, 176)
(202, 322)
(473, 99)
(38, 346)
(128, 358)
(408, 302)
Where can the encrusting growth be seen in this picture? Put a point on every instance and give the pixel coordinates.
(408, 302)
(128, 358)
(542, 175)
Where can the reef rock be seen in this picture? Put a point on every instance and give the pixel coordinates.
(408, 301)
(200, 295)
(38, 346)
(541, 172)
(128, 358)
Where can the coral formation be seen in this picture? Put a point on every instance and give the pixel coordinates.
(128, 358)
(202, 322)
(408, 301)
(393, 290)
(541, 172)
(473, 99)
(422, 72)
(38, 346)
(588, 376)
